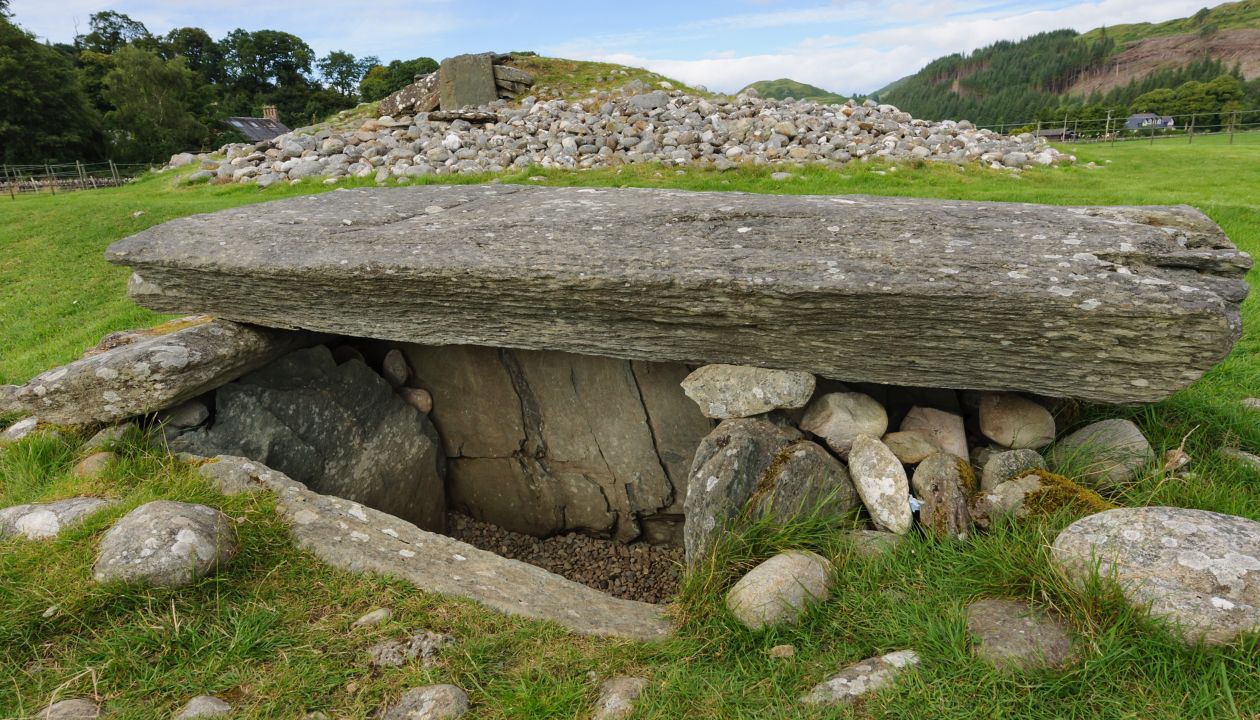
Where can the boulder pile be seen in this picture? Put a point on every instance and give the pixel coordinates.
(608, 130)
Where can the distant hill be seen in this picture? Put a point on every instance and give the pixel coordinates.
(1208, 62)
(784, 88)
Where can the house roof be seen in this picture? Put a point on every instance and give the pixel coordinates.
(257, 129)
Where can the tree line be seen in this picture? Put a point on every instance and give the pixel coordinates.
(1014, 82)
(124, 93)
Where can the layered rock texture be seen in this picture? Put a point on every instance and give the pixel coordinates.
(543, 442)
(1108, 304)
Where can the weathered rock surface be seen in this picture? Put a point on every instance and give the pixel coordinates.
(71, 709)
(1015, 422)
(881, 481)
(352, 537)
(151, 373)
(467, 80)
(1106, 454)
(938, 484)
(41, 521)
(1013, 634)
(338, 428)
(617, 697)
(19, 430)
(431, 702)
(374, 617)
(840, 417)
(1008, 465)
(943, 429)
(729, 465)
(546, 442)
(1251, 460)
(780, 589)
(910, 446)
(1198, 569)
(166, 544)
(204, 706)
(419, 97)
(1147, 302)
(737, 391)
(422, 646)
(861, 678)
(93, 465)
(804, 480)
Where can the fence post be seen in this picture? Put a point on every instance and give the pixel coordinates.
(1107, 132)
(113, 171)
(52, 179)
(1190, 132)
(1152, 126)
(10, 181)
(1233, 118)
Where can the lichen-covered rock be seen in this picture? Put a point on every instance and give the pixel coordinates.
(737, 391)
(166, 544)
(152, 373)
(728, 467)
(943, 429)
(1015, 422)
(431, 702)
(19, 430)
(1107, 454)
(882, 484)
(1200, 570)
(838, 418)
(910, 446)
(1013, 634)
(1008, 465)
(780, 589)
(617, 697)
(804, 480)
(861, 678)
(938, 484)
(338, 428)
(41, 521)
(1036, 492)
(815, 296)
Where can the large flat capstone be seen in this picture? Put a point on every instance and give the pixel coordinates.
(1112, 304)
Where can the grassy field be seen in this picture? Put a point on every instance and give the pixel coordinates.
(272, 634)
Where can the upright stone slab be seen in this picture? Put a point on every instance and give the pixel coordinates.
(1114, 304)
(547, 442)
(466, 80)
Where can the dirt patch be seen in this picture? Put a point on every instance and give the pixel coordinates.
(1240, 46)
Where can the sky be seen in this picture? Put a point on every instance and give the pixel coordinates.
(845, 46)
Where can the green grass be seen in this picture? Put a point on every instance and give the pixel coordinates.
(272, 633)
(574, 79)
(784, 88)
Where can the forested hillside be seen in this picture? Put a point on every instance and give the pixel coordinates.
(784, 88)
(1204, 64)
(124, 93)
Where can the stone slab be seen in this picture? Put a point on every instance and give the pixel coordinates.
(1111, 304)
(467, 80)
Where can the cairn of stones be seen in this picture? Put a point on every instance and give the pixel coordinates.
(473, 116)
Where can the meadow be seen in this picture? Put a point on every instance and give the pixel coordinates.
(273, 633)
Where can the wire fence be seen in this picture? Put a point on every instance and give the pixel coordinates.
(16, 180)
(1137, 126)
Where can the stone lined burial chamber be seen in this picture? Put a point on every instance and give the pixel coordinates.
(530, 357)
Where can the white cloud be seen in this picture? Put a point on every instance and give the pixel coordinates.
(867, 60)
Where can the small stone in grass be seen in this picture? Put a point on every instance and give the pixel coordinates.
(375, 617)
(93, 465)
(617, 698)
(781, 651)
(431, 702)
(204, 706)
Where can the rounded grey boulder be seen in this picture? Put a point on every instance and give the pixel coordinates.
(1198, 569)
(1107, 454)
(204, 706)
(779, 589)
(166, 544)
(840, 417)
(882, 484)
(1015, 422)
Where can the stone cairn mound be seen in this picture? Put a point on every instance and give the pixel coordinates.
(477, 130)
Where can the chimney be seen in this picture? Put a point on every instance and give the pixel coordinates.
(269, 112)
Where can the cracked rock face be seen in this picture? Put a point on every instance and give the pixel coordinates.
(41, 521)
(339, 428)
(861, 678)
(547, 442)
(166, 544)
(1198, 569)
